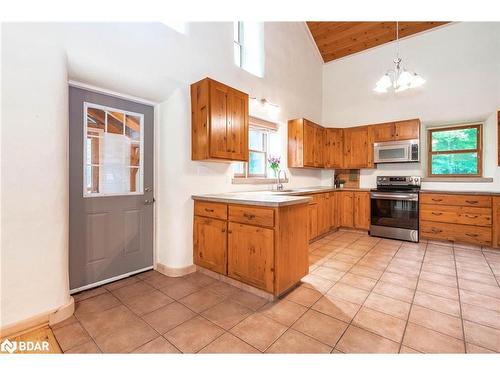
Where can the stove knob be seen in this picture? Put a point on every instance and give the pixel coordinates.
(411, 179)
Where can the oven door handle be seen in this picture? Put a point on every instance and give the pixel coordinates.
(393, 197)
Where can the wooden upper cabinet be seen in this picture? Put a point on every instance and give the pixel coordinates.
(319, 139)
(358, 147)
(396, 131)
(383, 132)
(361, 210)
(409, 129)
(305, 144)
(333, 153)
(219, 122)
(309, 144)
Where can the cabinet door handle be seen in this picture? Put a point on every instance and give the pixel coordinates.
(471, 216)
(223, 231)
(434, 230)
(249, 216)
(209, 209)
(229, 231)
(472, 202)
(472, 234)
(436, 199)
(437, 213)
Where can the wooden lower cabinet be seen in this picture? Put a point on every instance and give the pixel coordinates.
(312, 220)
(457, 217)
(210, 240)
(361, 217)
(264, 247)
(251, 255)
(496, 221)
(345, 208)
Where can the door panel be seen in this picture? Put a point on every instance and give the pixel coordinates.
(309, 144)
(210, 244)
(111, 187)
(383, 132)
(409, 129)
(319, 136)
(219, 121)
(362, 210)
(251, 255)
(238, 126)
(346, 209)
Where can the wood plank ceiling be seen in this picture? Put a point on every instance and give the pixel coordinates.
(339, 39)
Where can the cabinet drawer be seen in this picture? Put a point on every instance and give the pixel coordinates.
(456, 232)
(210, 209)
(456, 200)
(252, 215)
(480, 216)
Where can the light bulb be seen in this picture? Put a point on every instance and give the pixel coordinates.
(383, 84)
(416, 80)
(404, 80)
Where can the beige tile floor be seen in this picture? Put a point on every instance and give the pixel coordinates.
(362, 295)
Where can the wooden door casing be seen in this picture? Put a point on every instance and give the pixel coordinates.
(210, 243)
(251, 255)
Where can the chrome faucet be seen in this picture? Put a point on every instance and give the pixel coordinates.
(279, 184)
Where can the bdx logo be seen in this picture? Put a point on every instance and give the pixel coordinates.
(23, 346)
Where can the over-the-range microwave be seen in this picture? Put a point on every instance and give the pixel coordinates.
(396, 151)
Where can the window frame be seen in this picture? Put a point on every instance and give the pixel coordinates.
(478, 150)
(140, 167)
(246, 167)
(238, 42)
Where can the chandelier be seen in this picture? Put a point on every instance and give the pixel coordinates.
(398, 79)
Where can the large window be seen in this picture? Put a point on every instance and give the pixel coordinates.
(248, 43)
(455, 151)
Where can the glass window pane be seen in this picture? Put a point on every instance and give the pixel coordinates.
(257, 163)
(256, 140)
(239, 168)
(113, 164)
(115, 122)
(133, 127)
(95, 118)
(455, 164)
(392, 153)
(458, 139)
(135, 154)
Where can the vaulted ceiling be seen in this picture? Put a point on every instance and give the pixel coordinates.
(339, 39)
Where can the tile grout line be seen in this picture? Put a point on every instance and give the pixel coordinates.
(362, 304)
(460, 300)
(308, 308)
(489, 266)
(413, 299)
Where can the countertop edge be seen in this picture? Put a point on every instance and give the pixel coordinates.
(250, 202)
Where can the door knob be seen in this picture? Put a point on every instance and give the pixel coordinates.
(149, 201)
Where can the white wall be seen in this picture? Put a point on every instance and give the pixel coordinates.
(461, 63)
(149, 61)
(34, 175)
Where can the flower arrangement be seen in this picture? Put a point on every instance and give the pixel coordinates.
(274, 163)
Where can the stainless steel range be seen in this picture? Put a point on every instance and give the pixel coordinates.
(394, 207)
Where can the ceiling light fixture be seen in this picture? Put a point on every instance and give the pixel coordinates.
(399, 79)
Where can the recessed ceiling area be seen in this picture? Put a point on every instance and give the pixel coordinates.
(338, 39)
